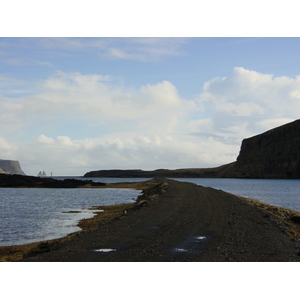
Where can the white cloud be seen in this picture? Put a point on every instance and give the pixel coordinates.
(295, 94)
(164, 94)
(65, 141)
(74, 96)
(272, 123)
(64, 156)
(44, 140)
(203, 126)
(137, 49)
(7, 150)
(242, 109)
(117, 53)
(251, 97)
(150, 127)
(141, 49)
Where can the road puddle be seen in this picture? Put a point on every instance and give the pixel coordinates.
(180, 250)
(192, 245)
(105, 250)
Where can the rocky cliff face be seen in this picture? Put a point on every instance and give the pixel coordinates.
(11, 167)
(273, 154)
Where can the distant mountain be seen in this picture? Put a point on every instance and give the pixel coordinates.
(179, 173)
(273, 154)
(11, 167)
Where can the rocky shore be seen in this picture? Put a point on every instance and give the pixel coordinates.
(109, 213)
(177, 221)
(17, 181)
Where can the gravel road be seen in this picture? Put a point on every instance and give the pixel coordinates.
(186, 223)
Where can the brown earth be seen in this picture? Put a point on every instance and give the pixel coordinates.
(185, 222)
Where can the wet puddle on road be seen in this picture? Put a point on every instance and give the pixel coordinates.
(193, 245)
(105, 250)
(180, 250)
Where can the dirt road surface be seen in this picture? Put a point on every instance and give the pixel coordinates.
(186, 223)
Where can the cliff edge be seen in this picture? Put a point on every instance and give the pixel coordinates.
(11, 167)
(273, 154)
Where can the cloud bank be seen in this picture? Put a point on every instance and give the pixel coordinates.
(74, 123)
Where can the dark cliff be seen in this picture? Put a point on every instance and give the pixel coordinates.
(11, 167)
(273, 154)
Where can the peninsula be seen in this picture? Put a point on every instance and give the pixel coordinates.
(178, 221)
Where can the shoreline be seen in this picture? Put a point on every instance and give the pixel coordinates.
(287, 221)
(108, 213)
(288, 217)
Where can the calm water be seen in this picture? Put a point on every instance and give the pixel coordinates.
(279, 192)
(32, 215)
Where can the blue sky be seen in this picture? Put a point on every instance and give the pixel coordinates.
(74, 104)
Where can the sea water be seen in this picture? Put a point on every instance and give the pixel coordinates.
(279, 192)
(30, 215)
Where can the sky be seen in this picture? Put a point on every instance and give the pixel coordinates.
(70, 105)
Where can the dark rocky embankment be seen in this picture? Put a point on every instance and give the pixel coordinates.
(273, 154)
(7, 180)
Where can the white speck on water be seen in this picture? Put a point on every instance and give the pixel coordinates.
(105, 250)
(200, 237)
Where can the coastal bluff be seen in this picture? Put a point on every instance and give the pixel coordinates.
(272, 154)
(10, 167)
